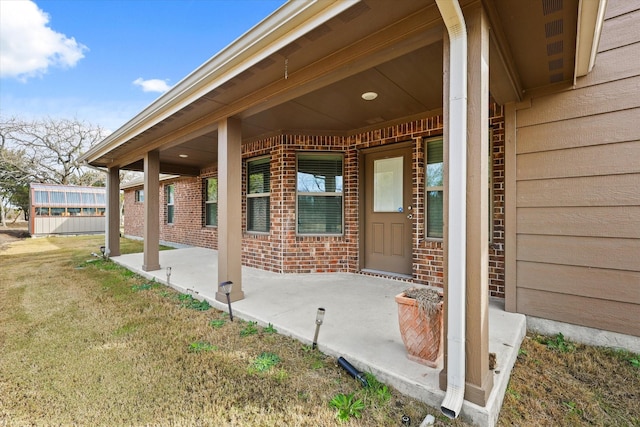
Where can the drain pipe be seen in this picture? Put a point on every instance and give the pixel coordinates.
(457, 241)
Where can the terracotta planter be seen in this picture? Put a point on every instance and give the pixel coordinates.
(422, 336)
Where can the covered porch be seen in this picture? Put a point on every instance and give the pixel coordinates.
(360, 324)
(344, 76)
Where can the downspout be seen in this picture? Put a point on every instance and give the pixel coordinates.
(457, 241)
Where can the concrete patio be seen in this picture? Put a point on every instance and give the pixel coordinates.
(360, 323)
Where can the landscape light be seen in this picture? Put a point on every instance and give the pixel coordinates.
(225, 288)
(168, 275)
(319, 319)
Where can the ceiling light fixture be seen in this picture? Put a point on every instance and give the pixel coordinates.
(369, 96)
(184, 156)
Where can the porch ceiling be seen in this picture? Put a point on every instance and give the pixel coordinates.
(313, 84)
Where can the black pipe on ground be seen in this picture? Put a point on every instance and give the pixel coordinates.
(352, 371)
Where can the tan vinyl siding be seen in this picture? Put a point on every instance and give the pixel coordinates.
(577, 181)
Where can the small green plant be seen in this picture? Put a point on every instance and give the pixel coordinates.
(557, 343)
(187, 301)
(513, 393)
(375, 388)
(572, 407)
(198, 346)
(281, 375)
(145, 286)
(635, 362)
(264, 362)
(270, 329)
(250, 329)
(217, 323)
(347, 406)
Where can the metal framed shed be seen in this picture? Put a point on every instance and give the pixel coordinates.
(66, 209)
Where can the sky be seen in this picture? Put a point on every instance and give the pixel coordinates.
(104, 61)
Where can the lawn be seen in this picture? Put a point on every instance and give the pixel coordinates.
(85, 342)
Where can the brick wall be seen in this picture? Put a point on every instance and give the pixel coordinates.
(281, 250)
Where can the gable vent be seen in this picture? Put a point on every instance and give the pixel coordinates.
(555, 48)
(553, 28)
(551, 6)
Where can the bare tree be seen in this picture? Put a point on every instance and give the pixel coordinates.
(52, 147)
(47, 151)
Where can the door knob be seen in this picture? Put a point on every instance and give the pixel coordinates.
(410, 216)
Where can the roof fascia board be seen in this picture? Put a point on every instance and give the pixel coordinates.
(286, 24)
(590, 21)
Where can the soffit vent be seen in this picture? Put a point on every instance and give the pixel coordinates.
(556, 78)
(553, 28)
(265, 63)
(245, 75)
(555, 48)
(354, 12)
(322, 30)
(551, 6)
(212, 95)
(227, 85)
(556, 64)
(289, 49)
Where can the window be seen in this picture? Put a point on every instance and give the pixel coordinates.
(434, 189)
(211, 201)
(100, 199)
(258, 190)
(88, 198)
(170, 203)
(57, 211)
(42, 196)
(57, 197)
(73, 198)
(319, 194)
(139, 194)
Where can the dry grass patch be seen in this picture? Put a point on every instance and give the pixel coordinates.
(87, 342)
(556, 382)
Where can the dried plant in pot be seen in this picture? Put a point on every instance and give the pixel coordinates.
(420, 321)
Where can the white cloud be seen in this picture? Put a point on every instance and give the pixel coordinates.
(28, 47)
(152, 85)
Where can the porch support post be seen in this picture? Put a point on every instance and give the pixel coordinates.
(479, 380)
(112, 221)
(229, 207)
(151, 211)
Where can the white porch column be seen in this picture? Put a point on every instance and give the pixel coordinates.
(151, 211)
(229, 207)
(112, 220)
(479, 380)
